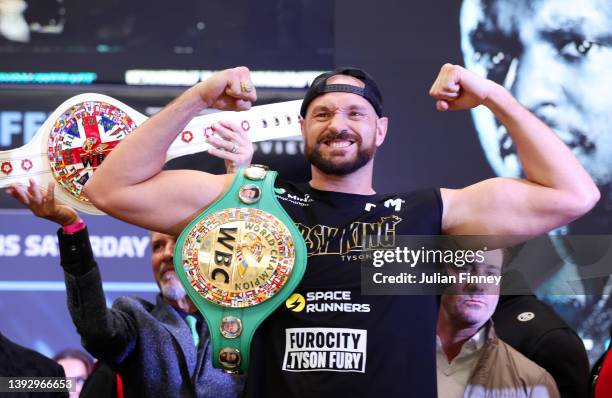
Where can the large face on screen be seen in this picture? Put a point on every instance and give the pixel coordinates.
(555, 56)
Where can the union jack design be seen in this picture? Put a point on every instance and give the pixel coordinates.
(80, 140)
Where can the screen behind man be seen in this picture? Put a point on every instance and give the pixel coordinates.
(555, 56)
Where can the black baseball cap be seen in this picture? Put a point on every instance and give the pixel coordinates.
(370, 91)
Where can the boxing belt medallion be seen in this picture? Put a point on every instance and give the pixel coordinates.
(238, 261)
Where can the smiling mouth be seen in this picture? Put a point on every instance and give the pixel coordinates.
(339, 140)
(338, 143)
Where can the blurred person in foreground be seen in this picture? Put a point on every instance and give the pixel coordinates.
(77, 365)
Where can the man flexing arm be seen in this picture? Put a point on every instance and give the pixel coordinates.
(131, 184)
(555, 191)
(556, 188)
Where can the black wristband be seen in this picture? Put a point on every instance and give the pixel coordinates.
(76, 255)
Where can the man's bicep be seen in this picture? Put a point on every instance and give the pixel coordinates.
(166, 202)
(502, 206)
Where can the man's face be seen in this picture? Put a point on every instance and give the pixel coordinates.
(342, 130)
(555, 56)
(230, 327)
(74, 368)
(472, 304)
(162, 248)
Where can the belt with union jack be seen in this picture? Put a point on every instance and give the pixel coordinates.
(76, 138)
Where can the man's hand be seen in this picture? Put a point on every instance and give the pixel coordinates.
(457, 88)
(234, 145)
(43, 204)
(229, 89)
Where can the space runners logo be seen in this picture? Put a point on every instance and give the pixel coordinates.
(325, 349)
(282, 194)
(295, 302)
(326, 301)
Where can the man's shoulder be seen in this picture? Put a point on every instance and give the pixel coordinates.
(527, 322)
(543, 315)
(421, 195)
(416, 196)
(502, 368)
(22, 361)
(133, 303)
(525, 367)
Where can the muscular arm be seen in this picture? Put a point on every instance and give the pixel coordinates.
(131, 185)
(556, 189)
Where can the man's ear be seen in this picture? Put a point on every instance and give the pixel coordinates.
(381, 130)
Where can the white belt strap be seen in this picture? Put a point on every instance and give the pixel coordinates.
(79, 134)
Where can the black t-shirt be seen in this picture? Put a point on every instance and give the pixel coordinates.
(328, 340)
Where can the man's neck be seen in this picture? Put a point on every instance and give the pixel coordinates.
(452, 337)
(358, 182)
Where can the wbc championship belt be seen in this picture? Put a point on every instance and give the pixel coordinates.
(76, 138)
(238, 261)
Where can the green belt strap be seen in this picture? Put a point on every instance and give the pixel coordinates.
(215, 248)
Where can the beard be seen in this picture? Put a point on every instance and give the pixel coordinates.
(172, 290)
(344, 167)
